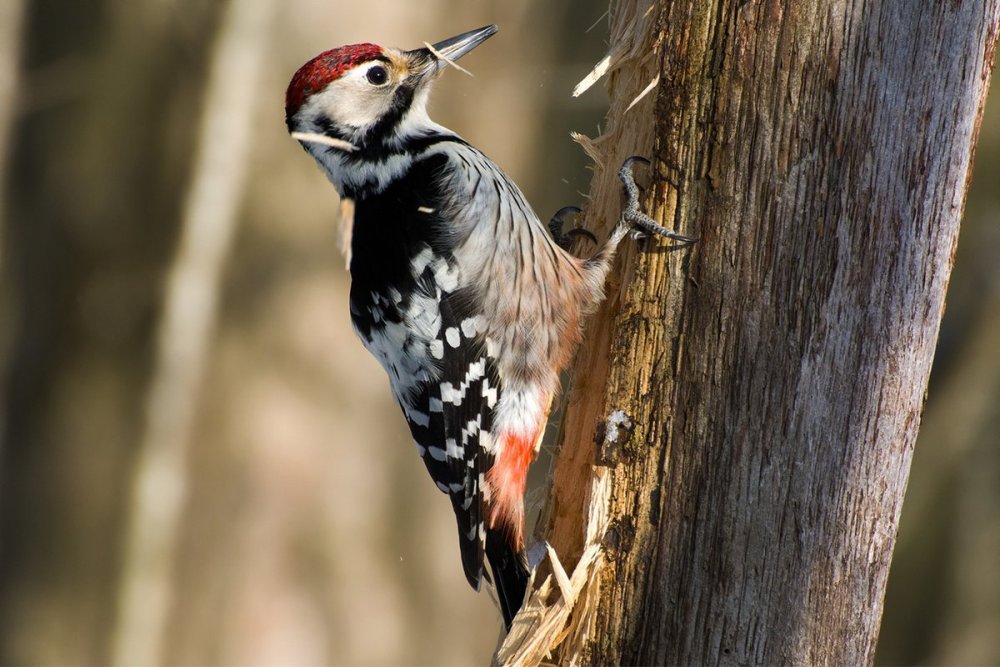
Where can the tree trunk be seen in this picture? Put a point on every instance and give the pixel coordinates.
(742, 416)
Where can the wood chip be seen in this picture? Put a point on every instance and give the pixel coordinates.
(447, 60)
(313, 138)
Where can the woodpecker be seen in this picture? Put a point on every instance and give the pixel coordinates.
(470, 303)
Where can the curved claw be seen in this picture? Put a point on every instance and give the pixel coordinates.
(631, 212)
(559, 216)
(565, 239)
(646, 224)
(573, 234)
(634, 158)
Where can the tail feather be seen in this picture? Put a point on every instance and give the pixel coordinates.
(510, 573)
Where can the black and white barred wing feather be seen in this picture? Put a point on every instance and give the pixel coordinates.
(416, 312)
(451, 418)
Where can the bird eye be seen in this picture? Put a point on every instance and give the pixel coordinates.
(377, 75)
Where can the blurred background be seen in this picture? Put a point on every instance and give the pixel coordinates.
(199, 464)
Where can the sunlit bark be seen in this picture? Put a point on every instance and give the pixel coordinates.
(744, 412)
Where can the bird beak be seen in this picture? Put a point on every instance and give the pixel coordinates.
(436, 58)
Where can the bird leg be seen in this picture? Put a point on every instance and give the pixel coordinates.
(631, 213)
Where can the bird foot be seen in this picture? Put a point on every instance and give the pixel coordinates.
(565, 239)
(631, 213)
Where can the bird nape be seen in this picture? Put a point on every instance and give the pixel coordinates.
(464, 296)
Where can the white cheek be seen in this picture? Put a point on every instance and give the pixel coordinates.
(354, 103)
(359, 110)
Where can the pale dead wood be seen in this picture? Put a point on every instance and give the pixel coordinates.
(345, 230)
(579, 521)
(447, 61)
(323, 140)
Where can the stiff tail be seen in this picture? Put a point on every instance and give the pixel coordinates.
(510, 574)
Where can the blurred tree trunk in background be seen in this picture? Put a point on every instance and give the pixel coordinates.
(752, 402)
(187, 327)
(86, 244)
(11, 14)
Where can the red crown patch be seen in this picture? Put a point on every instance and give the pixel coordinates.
(316, 74)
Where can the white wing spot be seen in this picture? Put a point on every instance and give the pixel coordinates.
(486, 442)
(469, 326)
(489, 393)
(445, 276)
(471, 428)
(476, 370)
(437, 349)
(451, 333)
(421, 260)
(437, 453)
(418, 418)
(484, 486)
(451, 395)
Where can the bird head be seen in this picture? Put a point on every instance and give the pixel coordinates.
(365, 94)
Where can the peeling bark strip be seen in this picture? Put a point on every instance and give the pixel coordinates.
(774, 375)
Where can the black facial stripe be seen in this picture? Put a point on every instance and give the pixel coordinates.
(381, 150)
(326, 127)
(402, 99)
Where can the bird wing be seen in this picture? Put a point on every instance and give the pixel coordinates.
(414, 312)
(451, 417)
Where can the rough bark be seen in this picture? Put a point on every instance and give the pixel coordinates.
(753, 402)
